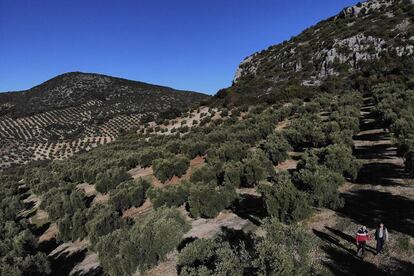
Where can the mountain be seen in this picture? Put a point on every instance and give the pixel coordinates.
(77, 111)
(76, 88)
(373, 40)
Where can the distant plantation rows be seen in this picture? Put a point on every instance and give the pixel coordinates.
(60, 134)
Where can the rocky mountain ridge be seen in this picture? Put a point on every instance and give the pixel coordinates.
(377, 33)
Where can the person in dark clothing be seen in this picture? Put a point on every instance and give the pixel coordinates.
(361, 240)
(381, 236)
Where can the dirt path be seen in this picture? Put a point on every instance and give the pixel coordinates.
(382, 192)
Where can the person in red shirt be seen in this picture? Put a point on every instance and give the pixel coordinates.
(361, 239)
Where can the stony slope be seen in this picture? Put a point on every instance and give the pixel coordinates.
(373, 40)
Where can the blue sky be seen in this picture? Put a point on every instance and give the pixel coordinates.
(186, 44)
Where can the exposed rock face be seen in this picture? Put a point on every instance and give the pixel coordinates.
(246, 62)
(366, 7)
(349, 51)
(357, 36)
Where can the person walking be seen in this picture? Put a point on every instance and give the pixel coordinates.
(381, 236)
(361, 239)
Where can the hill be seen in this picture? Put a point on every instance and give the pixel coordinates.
(77, 111)
(365, 43)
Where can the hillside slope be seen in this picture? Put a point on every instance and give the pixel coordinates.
(77, 111)
(373, 41)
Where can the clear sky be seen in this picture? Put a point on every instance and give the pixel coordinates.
(186, 44)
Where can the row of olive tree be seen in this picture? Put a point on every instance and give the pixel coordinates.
(284, 250)
(394, 106)
(19, 253)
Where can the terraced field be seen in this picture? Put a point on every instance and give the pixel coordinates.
(48, 135)
(76, 111)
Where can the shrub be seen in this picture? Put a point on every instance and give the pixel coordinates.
(169, 196)
(276, 148)
(206, 174)
(128, 194)
(194, 148)
(283, 200)
(104, 221)
(124, 251)
(228, 151)
(256, 168)
(61, 201)
(209, 257)
(148, 155)
(339, 158)
(175, 146)
(305, 131)
(165, 169)
(233, 173)
(209, 200)
(283, 250)
(321, 184)
(111, 178)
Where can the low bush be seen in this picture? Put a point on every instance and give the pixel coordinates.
(321, 184)
(143, 245)
(283, 250)
(283, 200)
(209, 257)
(169, 196)
(276, 148)
(129, 194)
(102, 221)
(208, 200)
(165, 169)
(111, 178)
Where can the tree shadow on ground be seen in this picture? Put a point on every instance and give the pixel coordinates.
(250, 207)
(350, 239)
(39, 230)
(384, 174)
(341, 234)
(372, 137)
(400, 267)
(48, 246)
(96, 272)
(185, 242)
(64, 263)
(382, 151)
(343, 263)
(332, 240)
(368, 125)
(370, 207)
(235, 237)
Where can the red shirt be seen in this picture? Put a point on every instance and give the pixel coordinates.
(362, 236)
